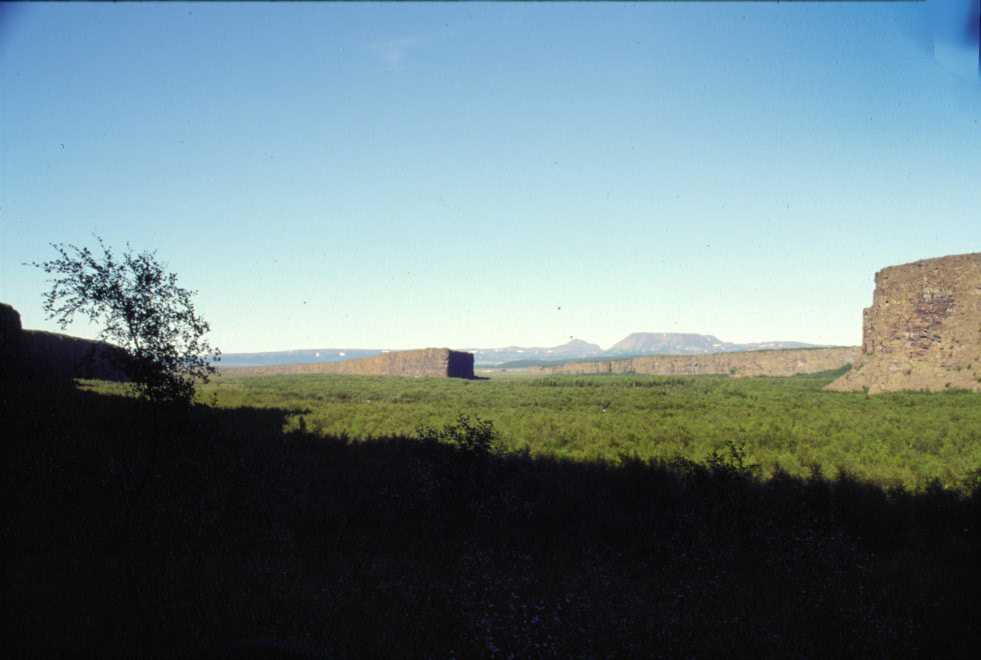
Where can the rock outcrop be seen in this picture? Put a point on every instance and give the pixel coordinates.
(11, 334)
(40, 354)
(424, 362)
(750, 363)
(52, 354)
(923, 330)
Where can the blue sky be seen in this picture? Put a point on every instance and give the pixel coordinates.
(379, 175)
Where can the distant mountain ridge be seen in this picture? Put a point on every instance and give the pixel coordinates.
(667, 342)
(299, 356)
(684, 343)
(635, 344)
(571, 350)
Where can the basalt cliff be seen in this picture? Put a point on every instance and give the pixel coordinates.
(923, 330)
(787, 362)
(424, 362)
(40, 354)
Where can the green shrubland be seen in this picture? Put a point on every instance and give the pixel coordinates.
(277, 521)
(789, 425)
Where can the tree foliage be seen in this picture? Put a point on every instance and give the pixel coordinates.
(141, 309)
(475, 436)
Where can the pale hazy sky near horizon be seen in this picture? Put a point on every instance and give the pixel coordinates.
(479, 175)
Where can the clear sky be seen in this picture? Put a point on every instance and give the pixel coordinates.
(391, 176)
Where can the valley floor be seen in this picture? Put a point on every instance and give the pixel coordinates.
(256, 528)
(788, 424)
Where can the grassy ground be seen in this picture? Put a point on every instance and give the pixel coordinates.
(790, 424)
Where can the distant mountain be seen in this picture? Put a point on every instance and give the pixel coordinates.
(300, 356)
(575, 347)
(571, 350)
(683, 343)
(667, 343)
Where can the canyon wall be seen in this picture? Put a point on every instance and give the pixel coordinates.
(424, 362)
(36, 353)
(750, 363)
(11, 334)
(923, 330)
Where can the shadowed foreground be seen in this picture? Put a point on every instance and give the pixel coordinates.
(249, 541)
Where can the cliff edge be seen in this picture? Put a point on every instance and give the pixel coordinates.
(40, 354)
(421, 363)
(923, 330)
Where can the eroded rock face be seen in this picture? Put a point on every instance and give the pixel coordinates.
(11, 335)
(750, 363)
(424, 362)
(54, 355)
(923, 330)
(39, 354)
(9, 322)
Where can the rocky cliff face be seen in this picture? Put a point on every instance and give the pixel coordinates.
(51, 354)
(35, 353)
(11, 334)
(751, 363)
(923, 330)
(425, 362)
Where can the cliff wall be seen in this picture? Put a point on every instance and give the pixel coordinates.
(424, 362)
(923, 330)
(11, 334)
(35, 353)
(63, 356)
(750, 363)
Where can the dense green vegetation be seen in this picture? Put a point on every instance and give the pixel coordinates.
(901, 439)
(136, 531)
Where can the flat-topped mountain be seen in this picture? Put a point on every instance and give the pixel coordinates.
(667, 342)
(684, 343)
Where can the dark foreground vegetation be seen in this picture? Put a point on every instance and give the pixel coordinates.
(134, 531)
